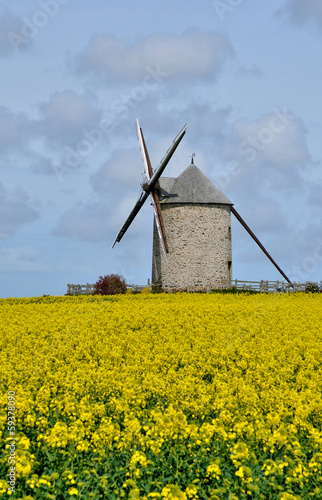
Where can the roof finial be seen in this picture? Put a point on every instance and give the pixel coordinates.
(192, 157)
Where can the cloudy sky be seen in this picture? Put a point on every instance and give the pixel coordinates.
(245, 74)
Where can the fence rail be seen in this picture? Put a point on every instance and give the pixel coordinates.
(270, 286)
(259, 286)
(89, 288)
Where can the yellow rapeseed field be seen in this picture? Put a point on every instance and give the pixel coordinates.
(169, 396)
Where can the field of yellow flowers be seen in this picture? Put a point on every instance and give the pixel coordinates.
(169, 396)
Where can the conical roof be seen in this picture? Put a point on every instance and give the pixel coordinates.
(192, 186)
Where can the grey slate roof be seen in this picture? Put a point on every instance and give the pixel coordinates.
(192, 186)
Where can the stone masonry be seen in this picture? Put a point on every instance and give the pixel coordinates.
(198, 234)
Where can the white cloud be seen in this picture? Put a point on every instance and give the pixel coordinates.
(85, 221)
(10, 28)
(303, 11)
(15, 210)
(268, 216)
(66, 115)
(269, 152)
(15, 130)
(192, 55)
(276, 139)
(122, 170)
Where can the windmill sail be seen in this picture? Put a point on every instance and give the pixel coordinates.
(250, 232)
(151, 187)
(139, 204)
(160, 224)
(144, 153)
(154, 192)
(164, 162)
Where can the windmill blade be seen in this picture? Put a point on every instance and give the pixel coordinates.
(144, 151)
(164, 162)
(142, 199)
(154, 191)
(159, 222)
(243, 223)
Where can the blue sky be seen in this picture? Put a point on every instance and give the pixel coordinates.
(246, 76)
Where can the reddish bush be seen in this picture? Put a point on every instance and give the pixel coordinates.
(110, 284)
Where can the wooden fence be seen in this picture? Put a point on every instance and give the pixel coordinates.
(88, 289)
(269, 286)
(259, 286)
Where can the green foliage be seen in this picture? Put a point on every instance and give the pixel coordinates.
(311, 287)
(111, 284)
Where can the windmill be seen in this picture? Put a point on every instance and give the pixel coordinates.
(192, 230)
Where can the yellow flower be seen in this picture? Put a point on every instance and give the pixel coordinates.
(192, 492)
(288, 496)
(139, 457)
(213, 470)
(244, 473)
(73, 491)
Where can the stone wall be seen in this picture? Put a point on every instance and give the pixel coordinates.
(199, 239)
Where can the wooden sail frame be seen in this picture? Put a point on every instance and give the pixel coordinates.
(151, 188)
(154, 193)
(250, 232)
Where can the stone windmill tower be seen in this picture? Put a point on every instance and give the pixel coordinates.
(197, 218)
(192, 226)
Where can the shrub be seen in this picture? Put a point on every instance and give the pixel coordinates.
(311, 287)
(111, 284)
